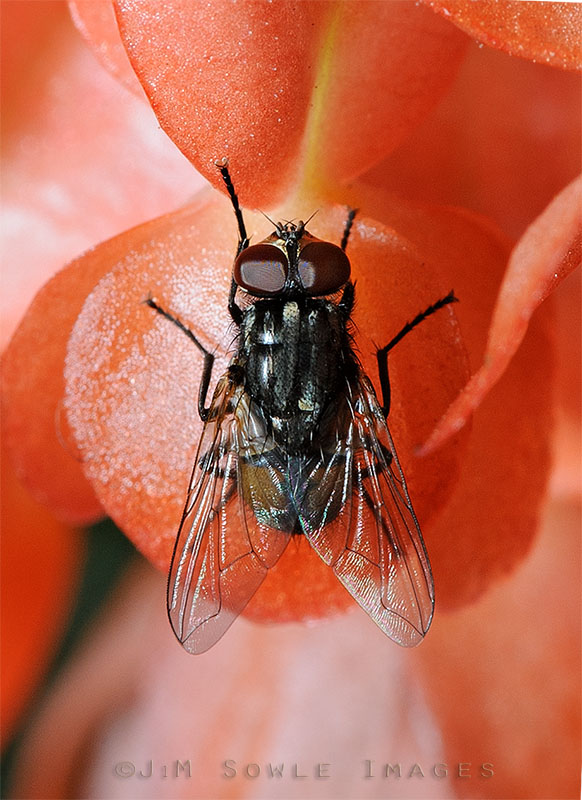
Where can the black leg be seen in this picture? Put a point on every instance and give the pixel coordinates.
(382, 352)
(208, 357)
(243, 239)
(234, 310)
(348, 227)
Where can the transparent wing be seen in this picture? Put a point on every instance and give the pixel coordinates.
(357, 515)
(224, 547)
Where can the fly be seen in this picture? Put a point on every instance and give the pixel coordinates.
(295, 442)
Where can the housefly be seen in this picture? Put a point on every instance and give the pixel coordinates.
(295, 442)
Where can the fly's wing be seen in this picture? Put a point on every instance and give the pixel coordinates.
(357, 515)
(222, 552)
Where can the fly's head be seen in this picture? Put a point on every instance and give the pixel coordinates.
(291, 263)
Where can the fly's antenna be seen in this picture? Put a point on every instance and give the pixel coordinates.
(308, 220)
(268, 218)
(222, 166)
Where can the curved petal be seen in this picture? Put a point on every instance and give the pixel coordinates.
(490, 523)
(98, 25)
(32, 389)
(272, 85)
(517, 129)
(133, 377)
(40, 562)
(544, 31)
(383, 66)
(547, 252)
(566, 305)
(227, 80)
(82, 158)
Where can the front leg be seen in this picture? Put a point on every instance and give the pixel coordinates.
(243, 238)
(234, 310)
(208, 356)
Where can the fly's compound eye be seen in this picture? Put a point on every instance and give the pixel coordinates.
(261, 269)
(323, 268)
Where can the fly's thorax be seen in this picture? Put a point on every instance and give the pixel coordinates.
(294, 353)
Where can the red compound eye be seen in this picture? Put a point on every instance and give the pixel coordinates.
(323, 268)
(261, 269)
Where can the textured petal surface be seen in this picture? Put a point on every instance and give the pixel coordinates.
(272, 85)
(541, 31)
(133, 377)
(226, 80)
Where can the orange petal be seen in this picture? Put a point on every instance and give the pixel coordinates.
(82, 159)
(483, 669)
(33, 387)
(132, 392)
(547, 252)
(98, 25)
(383, 67)
(30, 36)
(541, 31)
(516, 125)
(489, 523)
(131, 396)
(566, 305)
(228, 80)
(40, 562)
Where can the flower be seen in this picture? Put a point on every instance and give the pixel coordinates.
(479, 497)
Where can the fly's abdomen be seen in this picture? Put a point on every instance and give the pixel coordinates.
(293, 352)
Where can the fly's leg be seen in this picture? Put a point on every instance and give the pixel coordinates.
(207, 355)
(243, 239)
(234, 310)
(382, 352)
